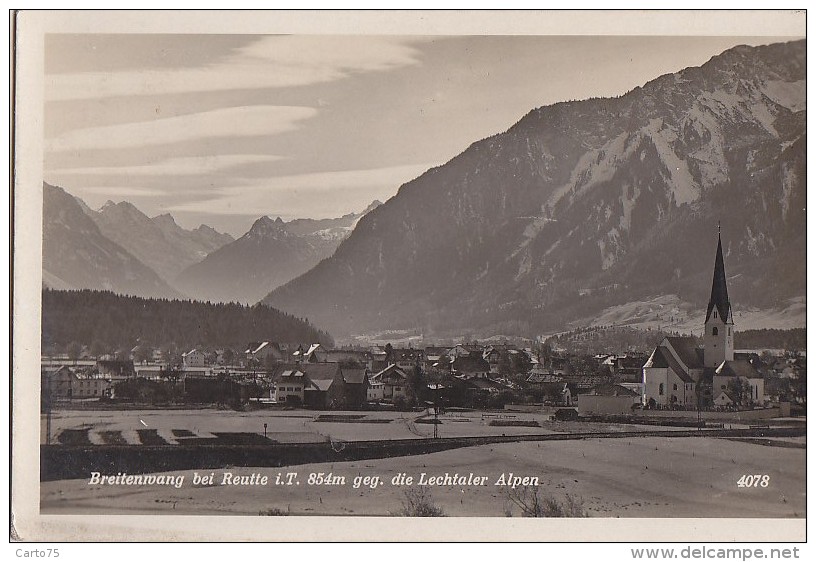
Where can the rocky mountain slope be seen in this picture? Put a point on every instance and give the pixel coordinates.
(77, 255)
(158, 242)
(585, 205)
(269, 255)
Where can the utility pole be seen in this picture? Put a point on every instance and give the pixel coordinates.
(48, 409)
(436, 410)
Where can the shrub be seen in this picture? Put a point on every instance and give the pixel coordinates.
(274, 511)
(532, 504)
(419, 503)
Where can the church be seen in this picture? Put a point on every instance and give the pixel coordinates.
(680, 374)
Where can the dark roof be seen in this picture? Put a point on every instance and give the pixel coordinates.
(471, 364)
(630, 362)
(662, 359)
(612, 390)
(321, 384)
(739, 368)
(320, 370)
(392, 369)
(719, 289)
(686, 349)
(354, 376)
(483, 384)
(728, 393)
(544, 378)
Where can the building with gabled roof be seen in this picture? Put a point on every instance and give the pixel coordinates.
(389, 384)
(355, 382)
(193, 358)
(678, 372)
(668, 379)
(289, 387)
(608, 399)
(471, 366)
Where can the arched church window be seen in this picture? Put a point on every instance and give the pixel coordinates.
(729, 331)
(714, 331)
(660, 390)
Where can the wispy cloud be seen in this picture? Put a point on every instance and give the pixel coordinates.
(115, 192)
(187, 166)
(270, 62)
(317, 195)
(256, 120)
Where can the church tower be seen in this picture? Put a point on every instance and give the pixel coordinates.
(719, 322)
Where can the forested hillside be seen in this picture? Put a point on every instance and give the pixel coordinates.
(114, 321)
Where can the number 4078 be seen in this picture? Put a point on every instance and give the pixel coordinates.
(753, 481)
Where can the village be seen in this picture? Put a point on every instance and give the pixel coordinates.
(471, 375)
(680, 378)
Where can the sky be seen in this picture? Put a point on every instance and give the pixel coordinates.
(222, 129)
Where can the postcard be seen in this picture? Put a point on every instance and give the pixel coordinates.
(409, 276)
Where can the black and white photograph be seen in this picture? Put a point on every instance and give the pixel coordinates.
(380, 266)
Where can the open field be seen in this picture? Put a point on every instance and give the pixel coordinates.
(303, 426)
(629, 477)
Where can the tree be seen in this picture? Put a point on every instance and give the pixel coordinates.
(416, 384)
(143, 353)
(505, 366)
(740, 390)
(73, 349)
(519, 362)
(97, 349)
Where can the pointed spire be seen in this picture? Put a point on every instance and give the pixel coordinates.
(719, 289)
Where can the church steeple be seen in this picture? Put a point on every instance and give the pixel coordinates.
(718, 338)
(719, 288)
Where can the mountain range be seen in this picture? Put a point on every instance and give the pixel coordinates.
(158, 242)
(585, 205)
(269, 255)
(77, 255)
(121, 249)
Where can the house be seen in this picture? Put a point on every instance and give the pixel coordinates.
(375, 391)
(726, 374)
(88, 385)
(465, 350)
(115, 369)
(493, 356)
(556, 392)
(347, 357)
(58, 383)
(471, 366)
(537, 378)
(724, 398)
(265, 353)
(378, 359)
(407, 359)
(355, 382)
(628, 368)
(289, 387)
(312, 354)
(193, 358)
(434, 355)
(325, 388)
(65, 382)
(389, 384)
(484, 385)
(608, 399)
